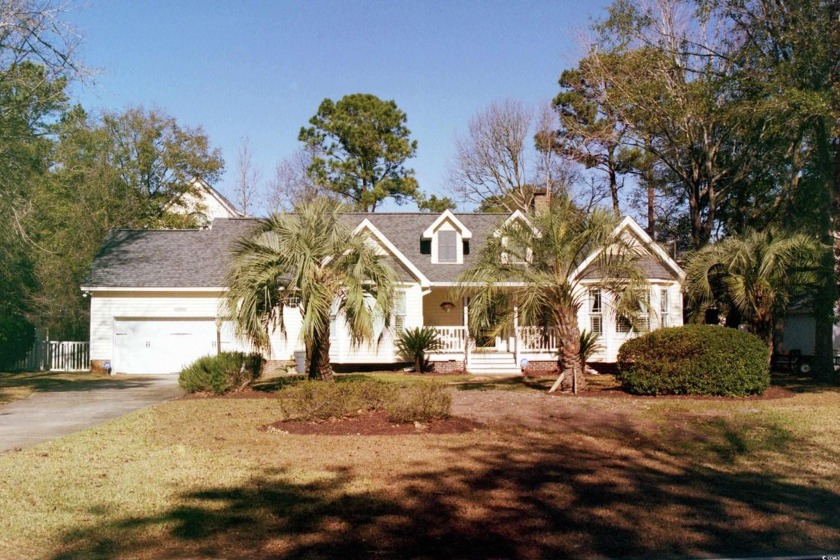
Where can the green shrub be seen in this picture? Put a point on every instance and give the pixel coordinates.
(422, 402)
(590, 342)
(320, 400)
(222, 373)
(414, 344)
(694, 360)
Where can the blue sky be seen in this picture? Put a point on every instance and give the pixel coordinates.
(261, 68)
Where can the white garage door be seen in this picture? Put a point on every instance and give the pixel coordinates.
(161, 345)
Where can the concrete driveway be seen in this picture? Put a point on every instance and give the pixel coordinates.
(51, 415)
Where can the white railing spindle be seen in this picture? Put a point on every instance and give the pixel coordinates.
(452, 339)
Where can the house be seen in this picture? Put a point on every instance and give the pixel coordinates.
(156, 296)
(204, 203)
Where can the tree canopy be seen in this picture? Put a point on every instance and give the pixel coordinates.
(360, 146)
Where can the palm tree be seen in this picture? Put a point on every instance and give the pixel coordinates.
(534, 266)
(312, 259)
(415, 343)
(758, 273)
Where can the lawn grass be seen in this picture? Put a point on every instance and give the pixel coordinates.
(644, 477)
(16, 386)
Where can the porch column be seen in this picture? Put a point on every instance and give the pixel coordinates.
(517, 354)
(465, 302)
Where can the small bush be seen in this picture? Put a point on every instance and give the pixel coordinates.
(694, 360)
(320, 400)
(422, 402)
(414, 344)
(222, 373)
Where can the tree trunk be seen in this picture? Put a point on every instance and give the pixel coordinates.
(651, 216)
(826, 298)
(569, 353)
(319, 357)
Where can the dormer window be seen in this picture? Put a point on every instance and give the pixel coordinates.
(447, 246)
(446, 239)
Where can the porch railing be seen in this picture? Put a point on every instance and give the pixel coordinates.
(452, 339)
(537, 339)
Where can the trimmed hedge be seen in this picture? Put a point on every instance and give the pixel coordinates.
(222, 373)
(694, 360)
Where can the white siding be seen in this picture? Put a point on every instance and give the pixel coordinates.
(383, 350)
(283, 346)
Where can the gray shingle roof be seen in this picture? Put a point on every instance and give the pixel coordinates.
(199, 258)
(166, 258)
(405, 230)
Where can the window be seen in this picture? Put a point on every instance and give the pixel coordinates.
(623, 324)
(596, 321)
(399, 311)
(641, 323)
(664, 308)
(447, 246)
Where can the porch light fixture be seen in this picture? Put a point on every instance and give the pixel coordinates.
(447, 306)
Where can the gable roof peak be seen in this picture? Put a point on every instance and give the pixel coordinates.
(447, 215)
(521, 216)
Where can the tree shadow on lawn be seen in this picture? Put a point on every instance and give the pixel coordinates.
(52, 382)
(529, 497)
(801, 383)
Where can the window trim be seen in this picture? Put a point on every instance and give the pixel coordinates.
(596, 316)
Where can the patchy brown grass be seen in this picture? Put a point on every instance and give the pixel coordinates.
(548, 477)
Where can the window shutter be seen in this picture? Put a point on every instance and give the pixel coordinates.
(447, 252)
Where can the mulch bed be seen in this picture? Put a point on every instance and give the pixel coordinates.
(372, 424)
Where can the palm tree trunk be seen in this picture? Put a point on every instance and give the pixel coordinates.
(319, 357)
(569, 353)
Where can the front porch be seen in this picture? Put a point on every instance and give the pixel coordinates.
(449, 316)
(503, 355)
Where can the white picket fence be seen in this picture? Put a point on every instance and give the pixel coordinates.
(56, 355)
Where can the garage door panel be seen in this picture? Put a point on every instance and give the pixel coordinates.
(161, 346)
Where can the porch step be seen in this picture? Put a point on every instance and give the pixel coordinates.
(498, 363)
